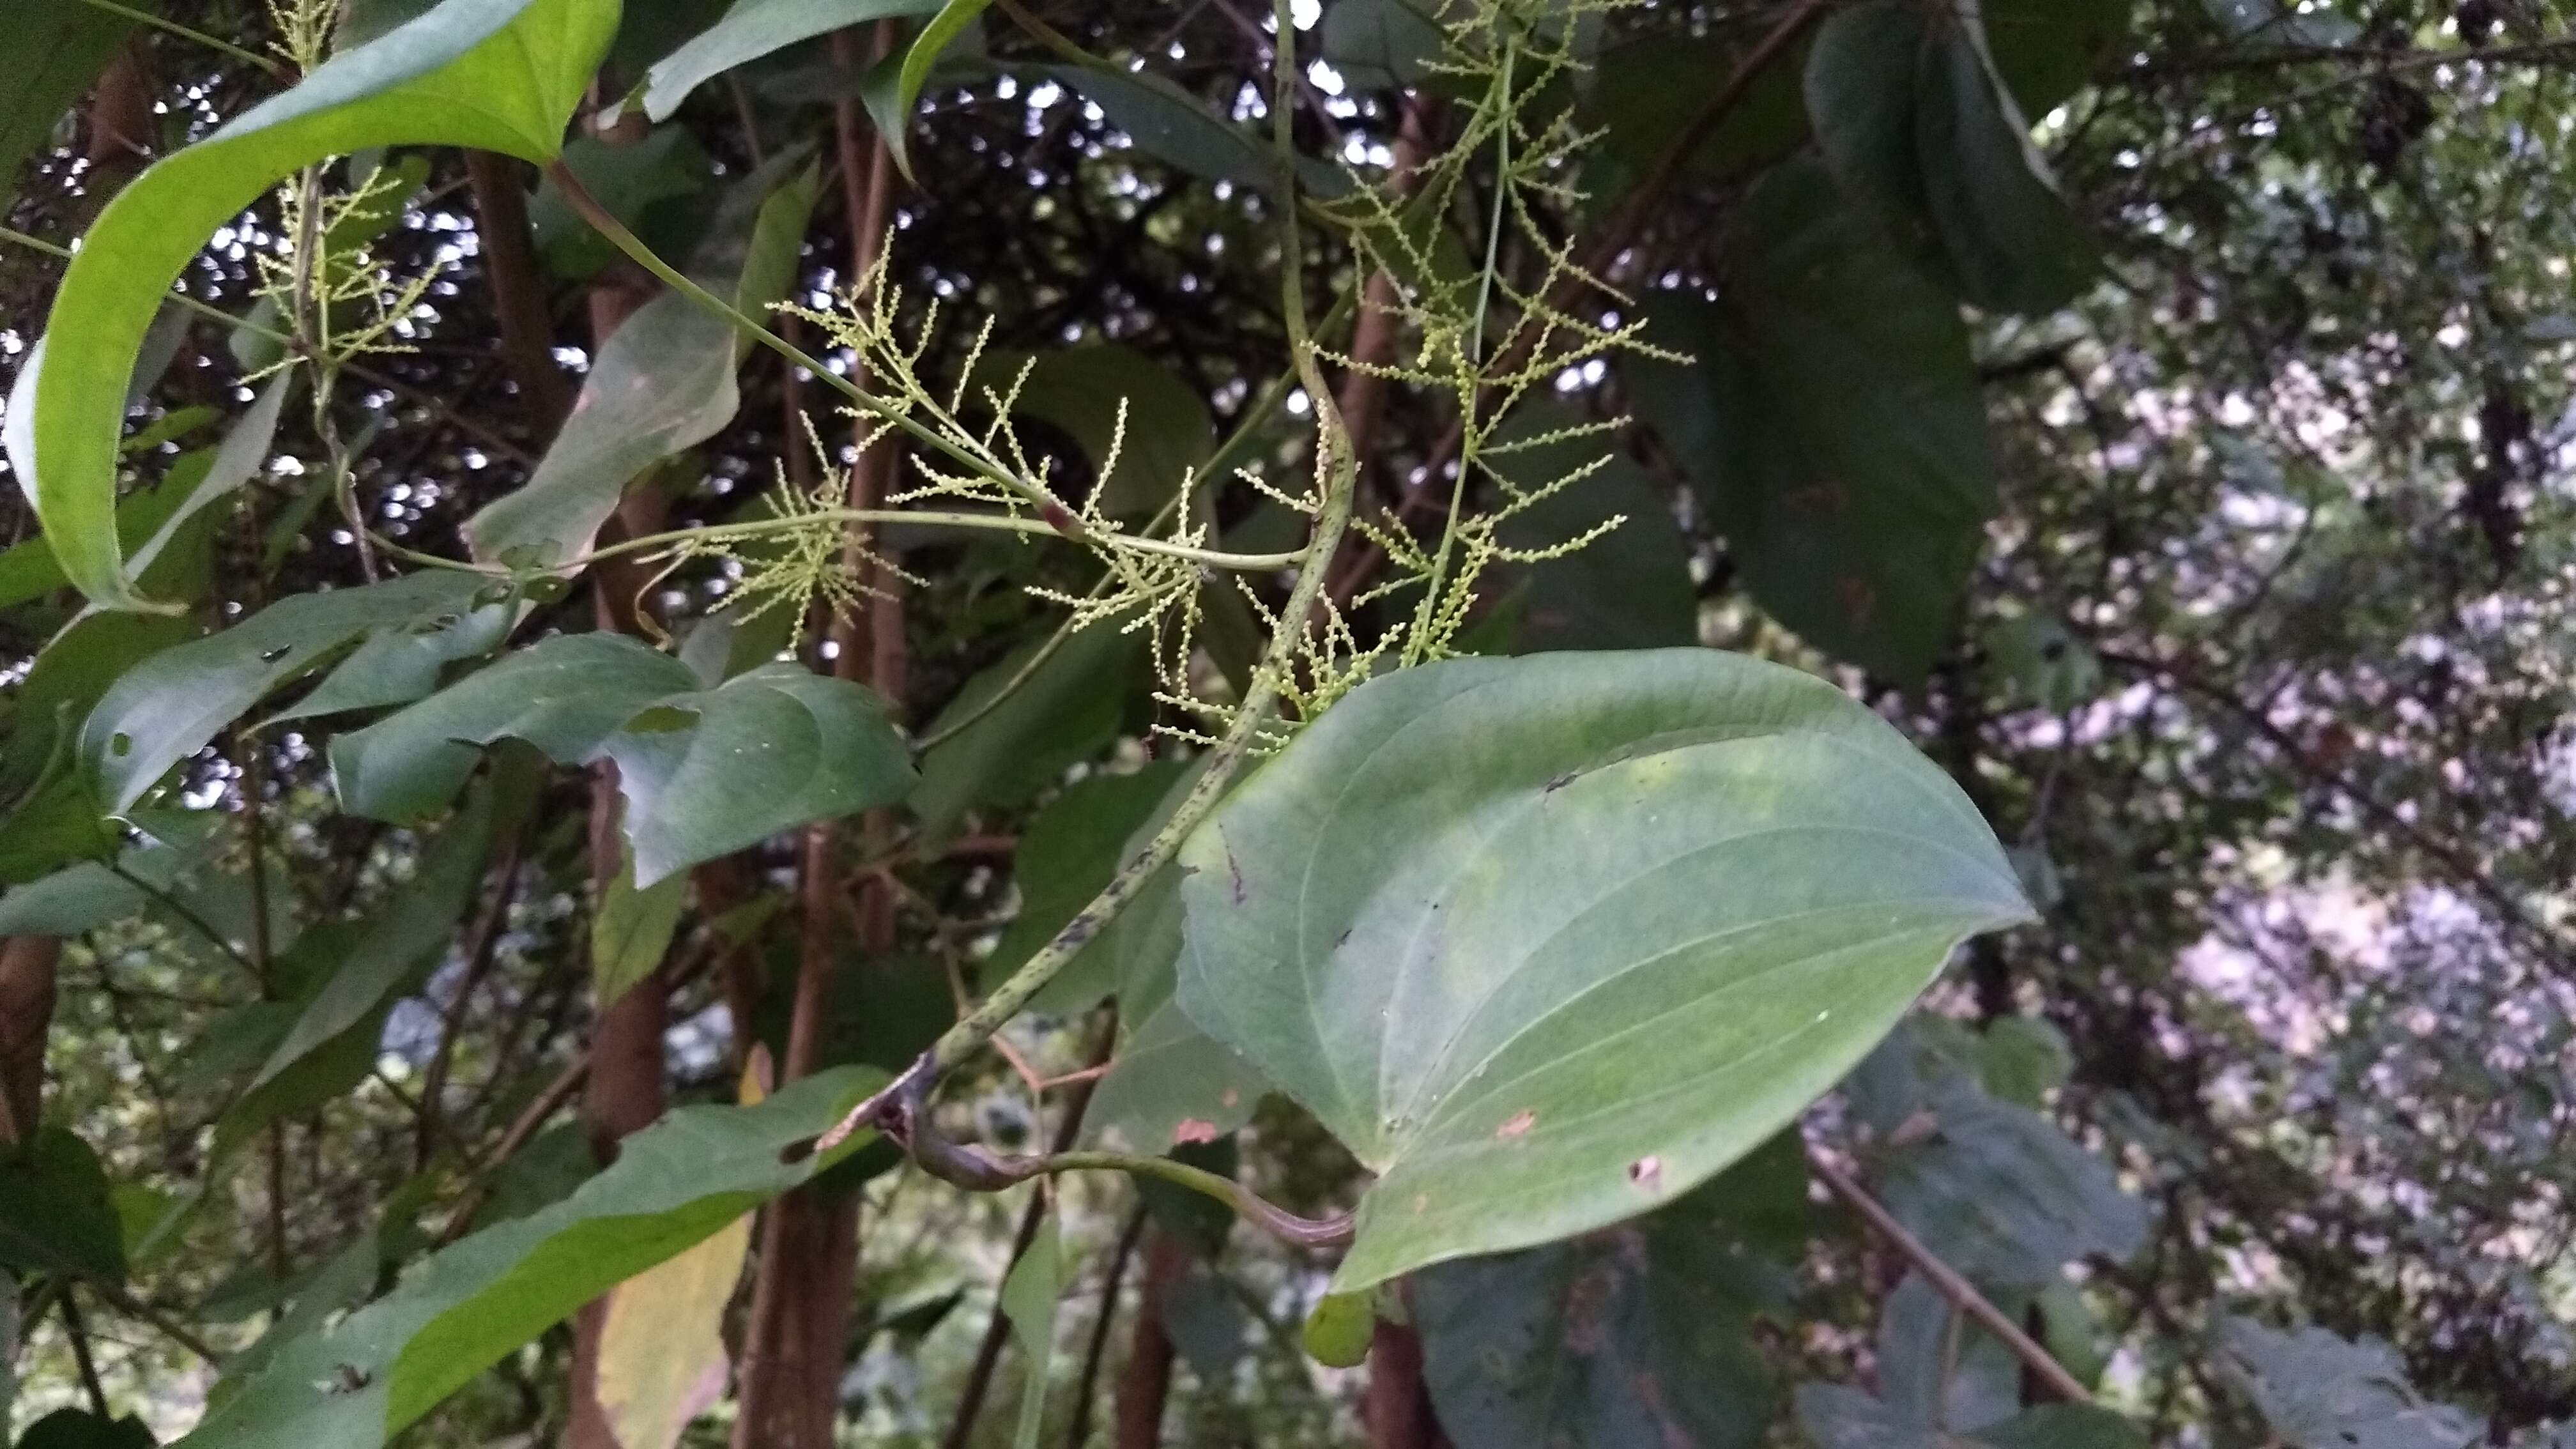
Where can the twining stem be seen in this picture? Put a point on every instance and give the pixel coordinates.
(1337, 470)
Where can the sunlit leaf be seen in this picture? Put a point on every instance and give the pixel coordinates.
(752, 29)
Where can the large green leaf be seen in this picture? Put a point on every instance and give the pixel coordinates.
(1174, 126)
(77, 1429)
(70, 674)
(1833, 425)
(1591, 924)
(57, 48)
(354, 1384)
(502, 75)
(359, 972)
(704, 772)
(55, 1216)
(1918, 125)
(1636, 1338)
(901, 81)
(652, 185)
(1030, 1297)
(1840, 1418)
(1067, 856)
(752, 29)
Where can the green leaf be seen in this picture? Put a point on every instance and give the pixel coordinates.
(360, 972)
(1664, 79)
(57, 49)
(90, 895)
(1172, 125)
(1383, 44)
(1595, 924)
(894, 114)
(503, 75)
(710, 773)
(70, 675)
(639, 182)
(1080, 389)
(2047, 49)
(752, 29)
(1171, 1085)
(402, 664)
(2022, 1059)
(663, 383)
(56, 1212)
(1916, 123)
(633, 931)
(1628, 589)
(1030, 1296)
(1637, 1338)
(2006, 1197)
(564, 695)
(2065, 1426)
(1066, 857)
(704, 772)
(1937, 1368)
(75, 1429)
(673, 1185)
(167, 707)
(149, 522)
(1338, 1333)
(1068, 711)
(2320, 1391)
(1841, 1418)
(1833, 426)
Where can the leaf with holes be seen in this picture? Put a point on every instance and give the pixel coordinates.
(1592, 924)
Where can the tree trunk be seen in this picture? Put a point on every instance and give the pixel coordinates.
(1145, 1384)
(1398, 1410)
(26, 1014)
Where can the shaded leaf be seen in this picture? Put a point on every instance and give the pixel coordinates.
(752, 29)
(633, 930)
(1172, 125)
(1066, 856)
(77, 1429)
(1628, 589)
(56, 1211)
(1638, 1336)
(895, 110)
(673, 1185)
(639, 182)
(1597, 924)
(1069, 710)
(57, 49)
(1030, 1296)
(1833, 426)
(523, 63)
(1382, 44)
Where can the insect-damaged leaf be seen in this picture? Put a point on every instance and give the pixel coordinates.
(1593, 924)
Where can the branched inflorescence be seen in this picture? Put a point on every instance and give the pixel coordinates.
(325, 279)
(1480, 336)
(1488, 335)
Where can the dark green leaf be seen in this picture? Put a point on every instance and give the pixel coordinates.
(638, 182)
(524, 63)
(2065, 1426)
(895, 110)
(1174, 126)
(752, 29)
(1068, 711)
(1595, 924)
(57, 48)
(2003, 1195)
(1030, 1296)
(1628, 589)
(56, 1215)
(633, 930)
(374, 1372)
(1066, 856)
(90, 895)
(766, 751)
(1637, 1338)
(68, 678)
(565, 695)
(2047, 49)
(1080, 389)
(166, 708)
(75, 1429)
(1833, 425)
(2319, 1391)
(1383, 44)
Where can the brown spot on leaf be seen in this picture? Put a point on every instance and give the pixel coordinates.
(1192, 1131)
(1234, 868)
(1647, 1172)
(1522, 1121)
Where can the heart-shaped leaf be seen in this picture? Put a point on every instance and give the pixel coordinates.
(1589, 925)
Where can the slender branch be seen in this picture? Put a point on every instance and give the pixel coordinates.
(482, 949)
(173, 27)
(1946, 1281)
(1085, 1384)
(170, 1328)
(180, 909)
(77, 1330)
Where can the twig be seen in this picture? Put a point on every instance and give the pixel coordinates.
(170, 1328)
(482, 950)
(1946, 1281)
(78, 1332)
(1085, 1384)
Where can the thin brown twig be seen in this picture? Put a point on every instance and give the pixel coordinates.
(1085, 1384)
(1945, 1280)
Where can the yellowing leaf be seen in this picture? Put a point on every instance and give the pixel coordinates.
(661, 1352)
